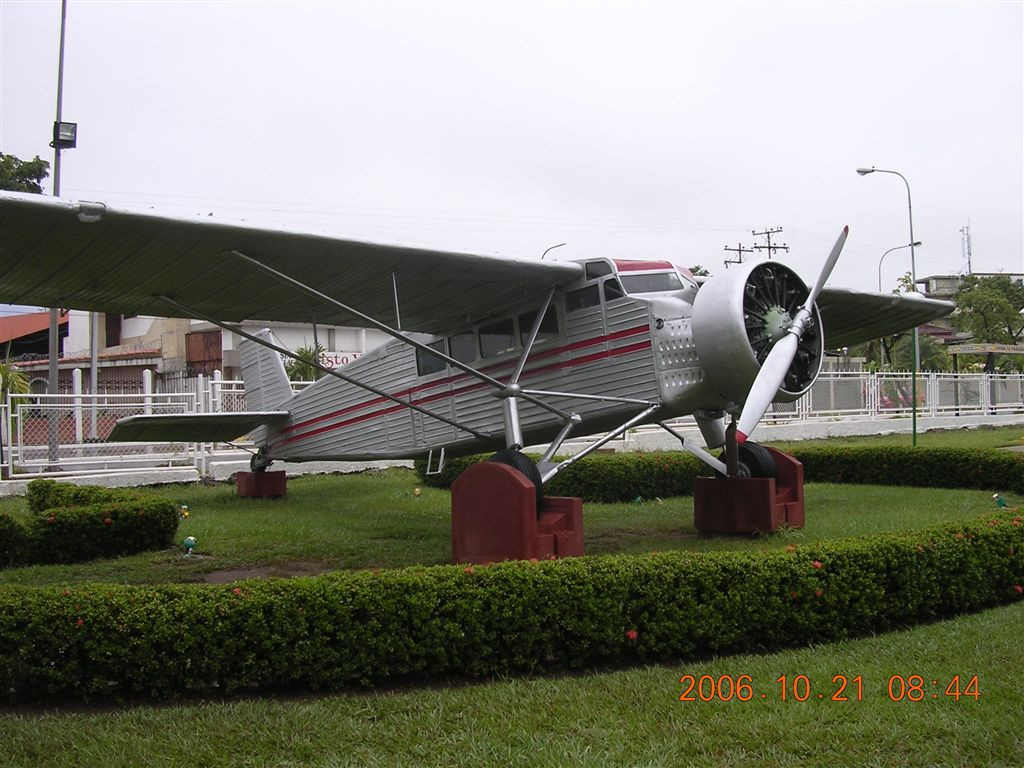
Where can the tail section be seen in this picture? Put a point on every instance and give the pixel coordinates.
(267, 387)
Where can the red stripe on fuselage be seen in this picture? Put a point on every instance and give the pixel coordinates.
(476, 386)
(461, 376)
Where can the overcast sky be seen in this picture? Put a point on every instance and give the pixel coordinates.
(632, 129)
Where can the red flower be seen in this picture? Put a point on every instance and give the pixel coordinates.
(107, 521)
(1018, 589)
(818, 593)
(51, 520)
(237, 590)
(66, 593)
(1016, 522)
(632, 634)
(958, 536)
(80, 622)
(794, 595)
(817, 565)
(469, 570)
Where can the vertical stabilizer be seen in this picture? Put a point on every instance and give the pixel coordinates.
(266, 384)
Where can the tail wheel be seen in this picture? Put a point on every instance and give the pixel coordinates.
(260, 460)
(754, 461)
(525, 466)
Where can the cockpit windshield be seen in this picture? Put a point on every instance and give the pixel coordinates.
(651, 283)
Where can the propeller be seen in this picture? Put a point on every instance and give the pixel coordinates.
(780, 357)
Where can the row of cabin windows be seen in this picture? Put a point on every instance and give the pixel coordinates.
(490, 340)
(500, 336)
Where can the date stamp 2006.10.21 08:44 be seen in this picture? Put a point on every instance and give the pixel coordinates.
(841, 688)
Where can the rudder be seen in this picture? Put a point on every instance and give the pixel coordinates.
(267, 387)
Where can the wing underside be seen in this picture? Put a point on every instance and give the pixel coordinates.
(192, 427)
(60, 253)
(851, 317)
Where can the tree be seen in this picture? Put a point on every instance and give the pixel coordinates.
(989, 309)
(22, 175)
(304, 370)
(933, 354)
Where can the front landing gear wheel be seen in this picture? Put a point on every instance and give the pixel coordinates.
(525, 466)
(260, 460)
(754, 461)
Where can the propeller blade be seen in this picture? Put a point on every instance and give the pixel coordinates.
(826, 271)
(780, 357)
(766, 385)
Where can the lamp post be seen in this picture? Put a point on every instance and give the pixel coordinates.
(881, 345)
(65, 136)
(897, 248)
(916, 362)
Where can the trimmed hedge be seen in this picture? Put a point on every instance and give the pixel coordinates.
(72, 524)
(618, 477)
(361, 628)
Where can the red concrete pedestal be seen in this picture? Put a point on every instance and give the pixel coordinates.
(494, 517)
(261, 485)
(754, 504)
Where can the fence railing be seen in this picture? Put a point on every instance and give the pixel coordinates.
(66, 433)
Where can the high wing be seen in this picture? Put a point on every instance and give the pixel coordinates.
(61, 253)
(851, 317)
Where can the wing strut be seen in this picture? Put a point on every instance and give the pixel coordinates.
(281, 350)
(395, 333)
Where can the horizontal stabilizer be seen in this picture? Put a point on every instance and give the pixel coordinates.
(191, 427)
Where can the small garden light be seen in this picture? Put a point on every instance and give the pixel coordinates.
(189, 543)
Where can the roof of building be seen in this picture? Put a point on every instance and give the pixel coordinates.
(18, 326)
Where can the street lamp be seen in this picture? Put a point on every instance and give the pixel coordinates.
(898, 247)
(916, 362)
(881, 345)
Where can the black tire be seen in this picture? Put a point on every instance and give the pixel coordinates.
(525, 466)
(754, 461)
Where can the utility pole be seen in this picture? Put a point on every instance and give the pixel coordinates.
(769, 247)
(739, 250)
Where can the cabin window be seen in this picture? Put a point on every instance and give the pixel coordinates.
(598, 269)
(582, 298)
(463, 346)
(612, 290)
(654, 283)
(497, 337)
(548, 326)
(427, 363)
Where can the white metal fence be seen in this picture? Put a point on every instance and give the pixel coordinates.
(66, 433)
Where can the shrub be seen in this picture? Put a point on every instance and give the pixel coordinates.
(624, 476)
(75, 523)
(363, 628)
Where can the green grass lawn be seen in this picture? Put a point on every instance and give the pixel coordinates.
(980, 437)
(375, 520)
(614, 717)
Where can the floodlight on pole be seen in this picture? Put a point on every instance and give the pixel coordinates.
(916, 361)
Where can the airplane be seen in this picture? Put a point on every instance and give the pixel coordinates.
(487, 353)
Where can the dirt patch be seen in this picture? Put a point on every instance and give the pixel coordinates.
(285, 570)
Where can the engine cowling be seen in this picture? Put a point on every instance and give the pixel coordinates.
(738, 316)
